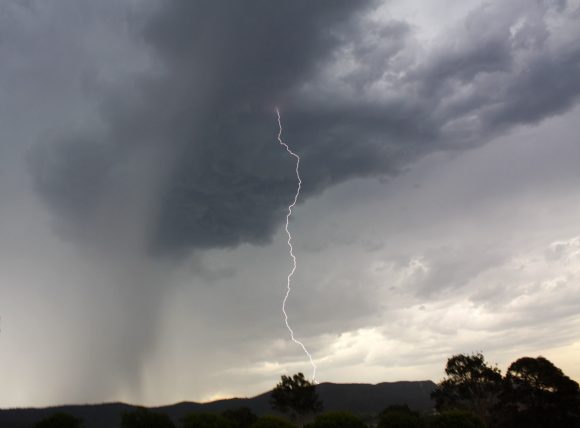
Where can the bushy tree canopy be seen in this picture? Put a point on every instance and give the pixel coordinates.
(537, 394)
(471, 384)
(295, 396)
(533, 394)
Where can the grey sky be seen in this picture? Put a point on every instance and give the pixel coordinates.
(143, 192)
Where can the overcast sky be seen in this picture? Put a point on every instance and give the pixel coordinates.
(143, 192)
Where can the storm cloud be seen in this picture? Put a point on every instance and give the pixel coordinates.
(188, 156)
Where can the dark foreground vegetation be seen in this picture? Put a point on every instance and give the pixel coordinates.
(533, 393)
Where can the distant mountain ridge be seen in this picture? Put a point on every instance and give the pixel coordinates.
(359, 398)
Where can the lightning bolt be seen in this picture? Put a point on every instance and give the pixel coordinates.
(291, 249)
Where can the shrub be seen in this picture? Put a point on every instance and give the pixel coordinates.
(272, 422)
(337, 420)
(399, 416)
(455, 419)
(143, 418)
(206, 420)
(59, 420)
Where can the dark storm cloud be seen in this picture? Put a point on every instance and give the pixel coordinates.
(207, 123)
(358, 98)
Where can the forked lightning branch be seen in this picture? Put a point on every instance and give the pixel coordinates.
(291, 249)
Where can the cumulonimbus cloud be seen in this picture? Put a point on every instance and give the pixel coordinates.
(189, 160)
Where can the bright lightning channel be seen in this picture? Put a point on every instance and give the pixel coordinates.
(291, 249)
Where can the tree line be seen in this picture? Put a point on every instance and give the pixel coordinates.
(533, 393)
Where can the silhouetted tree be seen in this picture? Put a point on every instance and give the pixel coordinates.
(241, 417)
(143, 418)
(539, 394)
(59, 420)
(296, 397)
(272, 422)
(399, 416)
(471, 384)
(206, 420)
(337, 420)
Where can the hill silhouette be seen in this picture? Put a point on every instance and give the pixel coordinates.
(360, 399)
